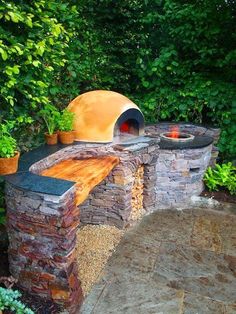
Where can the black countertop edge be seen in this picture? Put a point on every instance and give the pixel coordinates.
(37, 154)
(28, 181)
(31, 182)
(198, 142)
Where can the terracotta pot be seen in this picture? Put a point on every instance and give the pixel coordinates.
(51, 139)
(9, 165)
(74, 132)
(66, 137)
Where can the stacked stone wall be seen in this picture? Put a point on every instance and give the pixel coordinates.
(42, 228)
(42, 238)
(110, 202)
(180, 174)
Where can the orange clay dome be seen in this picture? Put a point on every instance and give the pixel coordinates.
(97, 113)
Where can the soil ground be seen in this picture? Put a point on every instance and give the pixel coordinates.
(221, 196)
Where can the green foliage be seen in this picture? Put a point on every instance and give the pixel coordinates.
(221, 176)
(175, 59)
(34, 38)
(32, 48)
(188, 70)
(8, 145)
(50, 115)
(9, 301)
(65, 121)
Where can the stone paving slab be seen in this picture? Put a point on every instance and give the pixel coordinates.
(166, 226)
(193, 304)
(172, 262)
(201, 272)
(135, 296)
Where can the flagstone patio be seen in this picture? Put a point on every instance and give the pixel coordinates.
(172, 262)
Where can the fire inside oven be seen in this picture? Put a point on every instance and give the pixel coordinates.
(131, 122)
(130, 126)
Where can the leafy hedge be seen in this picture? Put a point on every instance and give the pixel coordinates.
(175, 59)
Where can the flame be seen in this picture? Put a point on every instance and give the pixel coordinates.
(124, 127)
(174, 133)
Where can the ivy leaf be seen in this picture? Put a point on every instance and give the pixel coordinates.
(36, 63)
(3, 54)
(14, 17)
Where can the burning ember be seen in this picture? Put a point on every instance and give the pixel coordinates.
(176, 136)
(124, 128)
(174, 132)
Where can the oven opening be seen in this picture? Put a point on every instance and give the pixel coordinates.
(130, 126)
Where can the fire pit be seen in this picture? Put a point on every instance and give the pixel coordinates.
(181, 164)
(176, 136)
(112, 175)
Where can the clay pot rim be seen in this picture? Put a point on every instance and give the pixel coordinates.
(17, 154)
(47, 134)
(66, 131)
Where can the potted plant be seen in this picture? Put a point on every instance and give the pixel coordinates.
(65, 125)
(9, 156)
(50, 115)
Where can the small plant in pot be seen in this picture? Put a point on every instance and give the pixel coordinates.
(50, 115)
(65, 124)
(9, 156)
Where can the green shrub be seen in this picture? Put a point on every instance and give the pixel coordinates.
(65, 121)
(9, 301)
(176, 59)
(29, 60)
(187, 65)
(221, 176)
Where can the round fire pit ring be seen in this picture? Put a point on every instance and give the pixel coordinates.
(181, 137)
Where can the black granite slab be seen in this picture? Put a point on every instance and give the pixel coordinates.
(40, 184)
(26, 180)
(43, 151)
(197, 142)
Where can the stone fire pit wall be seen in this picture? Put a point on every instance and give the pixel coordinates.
(43, 217)
(192, 129)
(179, 175)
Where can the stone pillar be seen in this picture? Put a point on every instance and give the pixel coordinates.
(42, 240)
(180, 174)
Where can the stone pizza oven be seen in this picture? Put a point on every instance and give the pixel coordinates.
(102, 115)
